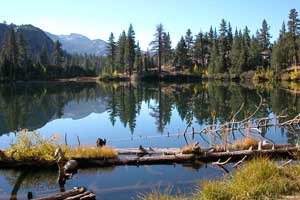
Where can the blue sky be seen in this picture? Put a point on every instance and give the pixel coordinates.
(97, 18)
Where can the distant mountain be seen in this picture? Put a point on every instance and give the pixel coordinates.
(76, 43)
(36, 38)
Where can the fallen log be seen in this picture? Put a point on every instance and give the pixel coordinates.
(76, 193)
(206, 155)
(189, 158)
(174, 151)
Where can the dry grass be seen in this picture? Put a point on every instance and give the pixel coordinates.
(157, 195)
(187, 149)
(190, 149)
(245, 143)
(91, 152)
(31, 146)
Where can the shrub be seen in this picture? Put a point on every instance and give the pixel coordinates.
(115, 74)
(31, 146)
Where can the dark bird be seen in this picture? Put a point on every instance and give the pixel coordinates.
(101, 142)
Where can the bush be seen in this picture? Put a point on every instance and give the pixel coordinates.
(31, 146)
(115, 74)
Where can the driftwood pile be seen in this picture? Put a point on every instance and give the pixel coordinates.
(77, 193)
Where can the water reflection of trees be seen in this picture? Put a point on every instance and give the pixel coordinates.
(34, 105)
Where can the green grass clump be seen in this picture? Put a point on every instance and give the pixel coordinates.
(258, 179)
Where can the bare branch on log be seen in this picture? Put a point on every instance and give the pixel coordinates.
(240, 162)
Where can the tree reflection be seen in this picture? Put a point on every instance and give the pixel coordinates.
(33, 105)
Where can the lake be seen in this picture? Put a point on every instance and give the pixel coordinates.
(129, 115)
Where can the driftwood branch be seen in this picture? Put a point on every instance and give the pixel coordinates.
(286, 163)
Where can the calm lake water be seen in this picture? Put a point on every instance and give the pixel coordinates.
(129, 115)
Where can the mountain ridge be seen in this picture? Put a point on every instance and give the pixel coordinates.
(76, 43)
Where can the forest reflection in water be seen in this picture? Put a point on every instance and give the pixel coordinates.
(32, 106)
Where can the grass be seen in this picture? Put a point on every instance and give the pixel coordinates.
(187, 149)
(258, 179)
(91, 152)
(31, 146)
(245, 143)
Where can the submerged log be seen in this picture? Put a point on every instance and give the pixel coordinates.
(74, 194)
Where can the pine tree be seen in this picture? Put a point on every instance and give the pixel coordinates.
(138, 59)
(230, 36)
(44, 58)
(167, 47)
(22, 56)
(189, 41)
(200, 49)
(182, 53)
(211, 37)
(130, 49)
(236, 56)
(121, 45)
(255, 58)
(280, 51)
(57, 55)
(157, 44)
(9, 55)
(215, 63)
(111, 46)
(224, 46)
(246, 48)
(293, 33)
(264, 36)
(282, 31)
